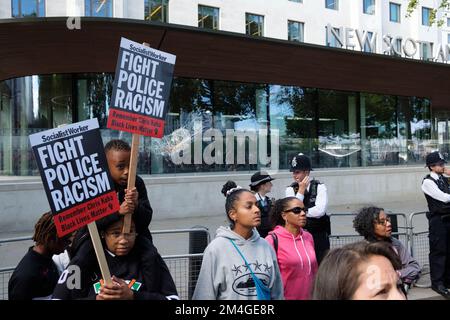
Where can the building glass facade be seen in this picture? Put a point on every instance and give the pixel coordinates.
(336, 129)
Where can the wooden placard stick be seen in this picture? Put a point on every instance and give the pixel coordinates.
(99, 252)
(132, 170)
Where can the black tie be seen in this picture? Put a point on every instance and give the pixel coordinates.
(441, 183)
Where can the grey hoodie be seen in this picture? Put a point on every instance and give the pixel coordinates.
(224, 275)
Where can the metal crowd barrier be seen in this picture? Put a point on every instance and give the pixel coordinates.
(408, 232)
(400, 229)
(420, 247)
(184, 268)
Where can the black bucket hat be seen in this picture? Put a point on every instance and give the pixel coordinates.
(260, 177)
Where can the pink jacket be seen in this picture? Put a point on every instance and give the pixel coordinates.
(297, 262)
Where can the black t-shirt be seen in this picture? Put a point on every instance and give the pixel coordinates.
(34, 277)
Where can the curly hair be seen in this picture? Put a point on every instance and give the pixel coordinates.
(279, 206)
(364, 222)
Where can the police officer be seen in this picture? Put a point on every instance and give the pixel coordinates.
(437, 193)
(261, 185)
(314, 196)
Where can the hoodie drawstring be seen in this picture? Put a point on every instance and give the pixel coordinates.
(295, 245)
(309, 260)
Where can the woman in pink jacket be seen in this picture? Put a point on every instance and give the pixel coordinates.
(294, 248)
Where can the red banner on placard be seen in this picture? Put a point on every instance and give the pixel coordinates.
(78, 216)
(135, 123)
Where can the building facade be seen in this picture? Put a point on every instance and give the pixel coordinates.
(365, 25)
(254, 85)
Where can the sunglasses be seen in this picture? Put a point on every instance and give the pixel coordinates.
(297, 210)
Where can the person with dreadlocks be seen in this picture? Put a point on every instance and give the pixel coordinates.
(375, 225)
(36, 275)
(238, 264)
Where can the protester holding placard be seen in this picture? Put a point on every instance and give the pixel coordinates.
(139, 273)
(134, 201)
(36, 275)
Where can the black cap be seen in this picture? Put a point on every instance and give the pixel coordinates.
(301, 162)
(434, 158)
(260, 177)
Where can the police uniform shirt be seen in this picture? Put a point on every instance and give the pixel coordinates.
(320, 208)
(430, 188)
(262, 199)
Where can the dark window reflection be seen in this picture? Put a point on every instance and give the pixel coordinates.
(218, 126)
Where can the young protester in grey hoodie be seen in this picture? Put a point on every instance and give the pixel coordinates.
(224, 274)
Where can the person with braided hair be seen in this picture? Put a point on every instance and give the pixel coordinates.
(238, 264)
(36, 275)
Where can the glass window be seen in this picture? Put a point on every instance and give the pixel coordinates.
(367, 47)
(426, 15)
(254, 25)
(98, 8)
(300, 1)
(224, 120)
(398, 47)
(369, 6)
(28, 8)
(448, 38)
(208, 17)
(296, 31)
(157, 10)
(333, 37)
(394, 12)
(426, 50)
(332, 4)
(448, 22)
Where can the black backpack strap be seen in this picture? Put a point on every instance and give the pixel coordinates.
(275, 242)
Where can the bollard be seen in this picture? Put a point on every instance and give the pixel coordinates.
(198, 241)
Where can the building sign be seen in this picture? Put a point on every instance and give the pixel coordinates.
(363, 40)
(140, 97)
(74, 170)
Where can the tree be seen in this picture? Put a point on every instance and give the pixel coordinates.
(444, 5)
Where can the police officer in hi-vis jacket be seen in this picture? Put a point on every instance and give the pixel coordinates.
(314, 196)
(437, 192)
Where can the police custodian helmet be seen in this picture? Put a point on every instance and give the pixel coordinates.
(434, 158)
(301, 162)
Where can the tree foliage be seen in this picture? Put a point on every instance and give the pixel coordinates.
(443, 5)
